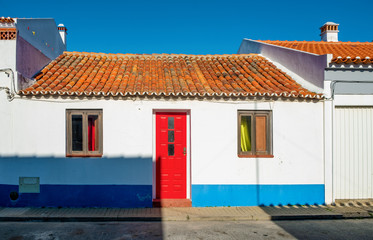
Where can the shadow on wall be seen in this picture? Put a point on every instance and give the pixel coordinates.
(77, 182)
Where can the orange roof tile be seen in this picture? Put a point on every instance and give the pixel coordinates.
(6, 20)
(343, 52)
(76, 73)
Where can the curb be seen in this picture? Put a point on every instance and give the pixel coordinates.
(80, 219)
(307, 217)
(171, 218)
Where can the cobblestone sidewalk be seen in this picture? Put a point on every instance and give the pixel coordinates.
(336, 211)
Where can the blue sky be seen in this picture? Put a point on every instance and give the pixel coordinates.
(193, 27)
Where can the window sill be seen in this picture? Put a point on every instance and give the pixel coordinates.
(255, 156)
(84, 155)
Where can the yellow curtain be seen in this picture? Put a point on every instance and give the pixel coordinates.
(245, 134)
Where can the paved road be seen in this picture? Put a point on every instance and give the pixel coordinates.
(311, 229)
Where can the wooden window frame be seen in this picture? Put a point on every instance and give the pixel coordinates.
(85, 152)
(269, 134)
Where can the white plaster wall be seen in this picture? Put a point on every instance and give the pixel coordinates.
(6, 125)
(7, 60)
(328, 146)
(350, 81)
(32, 142)
(344, 74)
(297, 145)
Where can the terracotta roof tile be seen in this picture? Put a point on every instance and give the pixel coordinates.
(343, 52)
(77, 73)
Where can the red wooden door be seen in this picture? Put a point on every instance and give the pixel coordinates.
(171, 155)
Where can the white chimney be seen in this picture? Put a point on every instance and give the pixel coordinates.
(329, 32)
(63, 32)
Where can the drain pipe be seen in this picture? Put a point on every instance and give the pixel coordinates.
(12, 91)
(333, 83)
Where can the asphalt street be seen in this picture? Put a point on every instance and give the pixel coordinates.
(304, 229)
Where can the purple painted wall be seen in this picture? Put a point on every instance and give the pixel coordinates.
(38, 42)
(29, 61)
(42, 34)
(309, 66)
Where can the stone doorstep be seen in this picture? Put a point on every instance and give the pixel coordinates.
(172, 203)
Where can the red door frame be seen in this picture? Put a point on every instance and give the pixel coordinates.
(186, 114)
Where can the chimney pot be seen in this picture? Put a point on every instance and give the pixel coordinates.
(63, 32)
(329, 32)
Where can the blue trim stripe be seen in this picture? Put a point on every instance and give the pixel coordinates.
(256, 195)
(126, 196)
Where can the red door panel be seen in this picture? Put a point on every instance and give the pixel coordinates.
(171, 155)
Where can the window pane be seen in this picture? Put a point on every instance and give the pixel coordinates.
(171, 136)
(77, 133)
(261, 133)
(171, 122)
(246, 133)
(92, 133)
(171, 149)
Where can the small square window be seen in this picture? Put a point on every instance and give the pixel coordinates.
(255, 134)
(83, 133)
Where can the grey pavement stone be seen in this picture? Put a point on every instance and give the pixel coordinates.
(187, 214)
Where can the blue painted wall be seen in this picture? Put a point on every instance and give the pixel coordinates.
(78, 182)
(78, 171)
(127, 182)
(256, 195)
(127, 196)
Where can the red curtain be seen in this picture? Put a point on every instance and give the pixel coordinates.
(91, 133)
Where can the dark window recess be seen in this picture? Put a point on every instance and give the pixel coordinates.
(171, 135)
(77, 133)
(171, 149)
(171, 121)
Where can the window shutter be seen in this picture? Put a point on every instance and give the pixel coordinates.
(261, 134)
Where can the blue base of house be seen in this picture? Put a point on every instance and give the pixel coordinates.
(132, 196)
(256, 195)
(124, 196)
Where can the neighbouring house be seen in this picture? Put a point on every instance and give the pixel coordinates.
(129, 130)
(27, 45)
(344, 70)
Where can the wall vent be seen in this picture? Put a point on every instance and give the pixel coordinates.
(29, 185)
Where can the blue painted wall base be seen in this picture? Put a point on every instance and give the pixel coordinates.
(256, 195)
(130, 196)
(126, 196)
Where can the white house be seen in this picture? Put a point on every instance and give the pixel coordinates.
(344, 70)
(125, 130)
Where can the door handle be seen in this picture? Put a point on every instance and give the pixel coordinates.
(184, 151)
